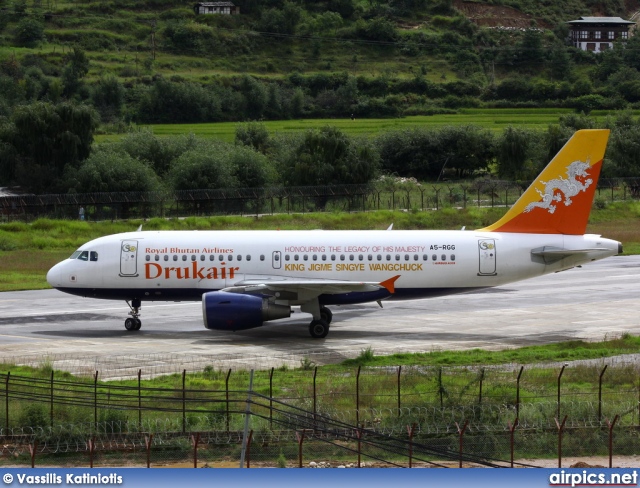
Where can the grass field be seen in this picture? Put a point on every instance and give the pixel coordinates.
(493, 119)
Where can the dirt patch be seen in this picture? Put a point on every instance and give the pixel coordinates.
(495, 15)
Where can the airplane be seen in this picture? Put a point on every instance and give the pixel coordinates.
(247, 278)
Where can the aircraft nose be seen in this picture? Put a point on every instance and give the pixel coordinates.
(53, 276)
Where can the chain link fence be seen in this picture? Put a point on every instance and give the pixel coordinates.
(390, 194)
(385, 416)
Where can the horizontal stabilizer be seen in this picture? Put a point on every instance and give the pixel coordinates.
(551, 254)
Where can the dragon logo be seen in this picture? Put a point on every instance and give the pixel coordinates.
(569, 187)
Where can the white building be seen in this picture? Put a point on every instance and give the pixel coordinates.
(598, 33)
(224, 8)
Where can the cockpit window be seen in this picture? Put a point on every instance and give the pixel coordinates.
(84, 256)
(75, 255)
(93, 256)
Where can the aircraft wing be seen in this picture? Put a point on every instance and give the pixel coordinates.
(304, 289)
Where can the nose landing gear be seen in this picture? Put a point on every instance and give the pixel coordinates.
(133, 323)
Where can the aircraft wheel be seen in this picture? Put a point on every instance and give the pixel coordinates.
(326, 315)
(138, 324)
(131, 324)
(319, 329)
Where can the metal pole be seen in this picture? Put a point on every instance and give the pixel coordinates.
(358, 396)
(611, 426)
(270, 399)
(411, 429)
(600, 393)
(518, 392)
(399, 371)
(461, 436)
(139, 401)
(247, 414)
(95, 399)
(6, 391)
(51, 400)
(249, 448)
(226, 385)
(560, 431)
(512, 429)
(559, 377)
(480, 392)
(315, 398)
(184, 401)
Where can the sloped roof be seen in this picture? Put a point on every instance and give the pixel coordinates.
(215, 4)
(600, 20)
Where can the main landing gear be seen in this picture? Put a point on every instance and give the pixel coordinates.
(319, 328)
(133, 322)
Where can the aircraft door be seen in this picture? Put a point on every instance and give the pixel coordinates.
(487, 254)
(277, 260)
(129, 258)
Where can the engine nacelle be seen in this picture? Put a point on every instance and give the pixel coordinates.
(235, 311)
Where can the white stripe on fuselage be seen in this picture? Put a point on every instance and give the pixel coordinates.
(349, 255)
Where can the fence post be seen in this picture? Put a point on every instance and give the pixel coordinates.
(184, 401)
(559, 378)
(315, 399)
(249, 448)
(139, 401)
(92, 447)
(270, 399)
(399, 406)
(247, 415)
(300, 439)
(95, 400)
(359, 433)
(518, 392)
(6, 406)
(480, 392)
(560, 432)
(226, 385)
(195, 439)
(32, 453)
(410, 430)
(51, 400)
(512, 429)
(147, 444)
(611, 426)
(461, 437)
(358, 396)
(600, 393)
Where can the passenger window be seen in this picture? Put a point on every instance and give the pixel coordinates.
(156, 257)
(295, 257)
(341, 257)
(397, 257)
(314, 257)
(406, 257)
(211, 257)
(351, 257)
(415, 257)
(166, 257)
(248, 257)
(370, 257)
(202, 257)
(230, 257)
(379, 257)
(360, 257)
(444, 257)
(184, 257)
(286, 257)
(262, 257)
(193, 257)
(453, 257)
(175, 257)
(324, 257)
(147, 258)
(239, 257)
(388, 257)
(305, 257)
(333, 257)
(221, 258)
(93, 256)
(434, 257)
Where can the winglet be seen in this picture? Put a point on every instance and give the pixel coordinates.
(390, 284)
(559, 200)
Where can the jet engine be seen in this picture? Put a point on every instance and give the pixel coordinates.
(234, 311)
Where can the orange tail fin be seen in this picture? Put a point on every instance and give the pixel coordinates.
(559, 200)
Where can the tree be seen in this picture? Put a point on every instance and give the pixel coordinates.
(107, 96)
(203, 168)
(327, 156)
(112, 170)
(29, 32)
(512, 152)
(48, 137)
(253, 134)
(76, 68)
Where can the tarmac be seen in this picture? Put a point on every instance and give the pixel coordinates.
(598, 301)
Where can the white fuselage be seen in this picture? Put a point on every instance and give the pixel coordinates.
(182, 265)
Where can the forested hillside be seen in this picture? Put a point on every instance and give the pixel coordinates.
(69, 68)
